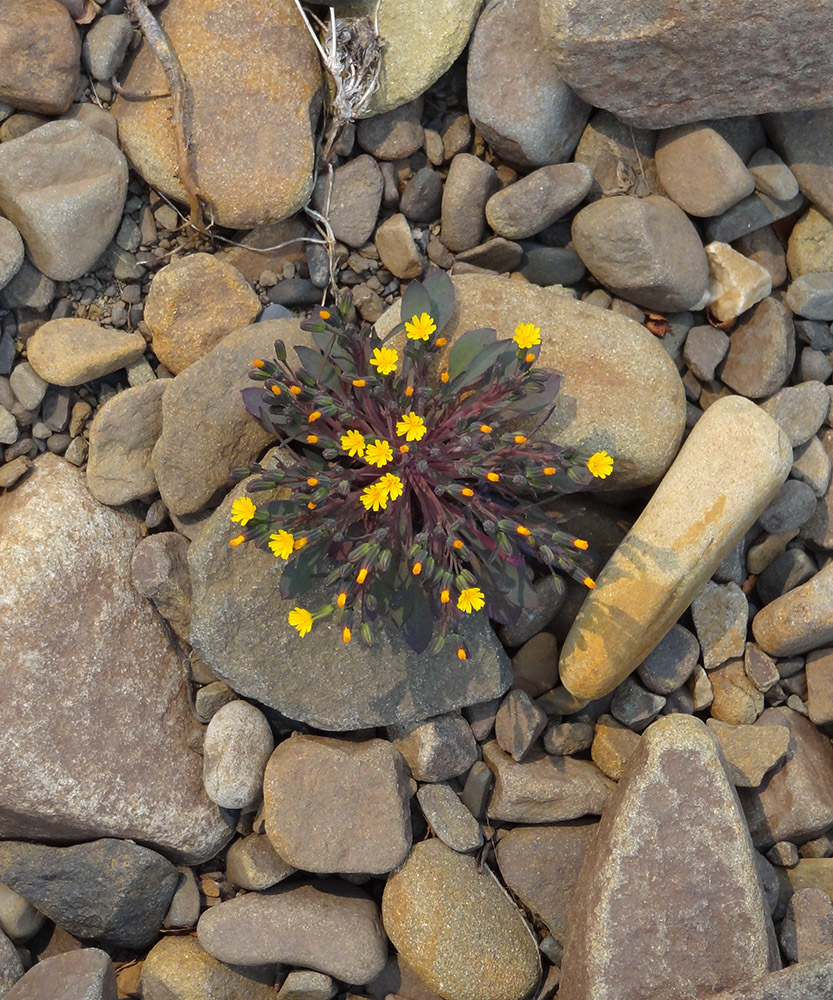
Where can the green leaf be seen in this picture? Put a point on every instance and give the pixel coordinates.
(296, 578)
(467, 348)
(418, 625)
(323, 371)
(440, 289)
(490, 355)
(415, 301)
(535, 402)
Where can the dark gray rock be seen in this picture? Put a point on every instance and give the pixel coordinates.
(110, 891)
(671, 662)
(421, 200)
(542, 265)
(635, 706)
(800, 410)
(449, 818)
(392, 135)
(811, 295)
(354, 200)
(518, 724)
(803, 140)
(705, 347)
(436, 749)
(788, 571)
(789, 509)
(749, 215)
(644, 250)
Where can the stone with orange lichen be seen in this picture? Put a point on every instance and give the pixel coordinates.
(731, 466)
(254, 74)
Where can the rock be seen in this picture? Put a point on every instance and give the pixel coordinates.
(393, 135)
(550, 592)
(40, 54)
(799, 410)
(750, 751)
(52, 746)
(268, 117)
(811, 295)
(450, 820)
(458, 929)
(252, 863)
(736, 699)
(819, 668)
(177, 968)
(334, 805)
(544, 127)
(802, 138)
(184, 910)
(568, 738)
(63, 186)
(397, 249)
(477, 789)
(354, 200)
(99, 120)
(382, 686)
(760, 668)
(159, 571)
(634, 706)
(772, 175)
(644, 250)
(700, 171)
(537, 200)
(421, 199)
(238, 743)
(11, 252)
(73, 351)
(764, 247)
(621, 158)
(110, 891)
(305, 985)
(122, 436)
(720, 614)
(799, 620)
(761, 351)
(498, 255)
(670, 663)
(436, 749)
(419, 47)
(518, 724)
(810, 248)
(793, 983)
(592, 51)
(468, 187)
(19, 920)
(192, 304)
(551, 265)
(705, 347)
(329, 926)
(105, 45)
(541, 865)
(749, 215)
(86, 973)
(796, 802)
(678, 541)
(789, 509)
(735, 282)
(545, 789)
(595, 395)
(535, 665)
(812, 465)
(711, 921)
(807, 930)
(190, 466)
(11, 967)
(28, 387)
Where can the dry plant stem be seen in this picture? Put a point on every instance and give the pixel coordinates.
(137, 95)
(156, 38)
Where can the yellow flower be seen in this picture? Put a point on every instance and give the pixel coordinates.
(527, 335)
(379, 453)
(493, 477)
(471, 599)
(600, 464)
(242, 510)
(361, 576)
(237, 541)
(282, 544)
(393, 484)
(341, 600)
(312, 439)
(346, 634)
(359, 383)
(375, 496)
(445, 596)
(314, 416)
(384, 360)
(300, 619)
(580, 543)
(353, 443)
(411, 427)
(420, 327)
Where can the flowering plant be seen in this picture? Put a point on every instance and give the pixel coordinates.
(410, 492)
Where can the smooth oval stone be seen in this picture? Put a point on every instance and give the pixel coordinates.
(673, 847)
(731, 466)
(458, 929)
(800, 620)
(237, 745)
(73, 351)
(331, 926)
(240, 131)
(621, 391)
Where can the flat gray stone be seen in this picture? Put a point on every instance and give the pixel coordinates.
(537, 200)
(450, 820)
(81, 974)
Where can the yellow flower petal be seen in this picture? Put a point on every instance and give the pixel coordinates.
(420, 327)
(471, 599)
(353, 443)
(300, 619)
(527, 335)
(282, 544)
(411, 426)
(384, 360)
(600, 464)
(242, 510)
(379, 453)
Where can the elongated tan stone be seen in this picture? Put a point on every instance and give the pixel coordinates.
(731, 466)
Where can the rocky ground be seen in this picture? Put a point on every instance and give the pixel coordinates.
(197, 803)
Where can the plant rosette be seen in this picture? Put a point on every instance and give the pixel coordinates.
(415, 498)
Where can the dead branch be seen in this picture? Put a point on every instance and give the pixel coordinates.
(156, 38)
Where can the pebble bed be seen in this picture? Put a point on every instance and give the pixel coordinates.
(625, 794)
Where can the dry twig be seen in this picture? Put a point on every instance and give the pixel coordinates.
(181, 110)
